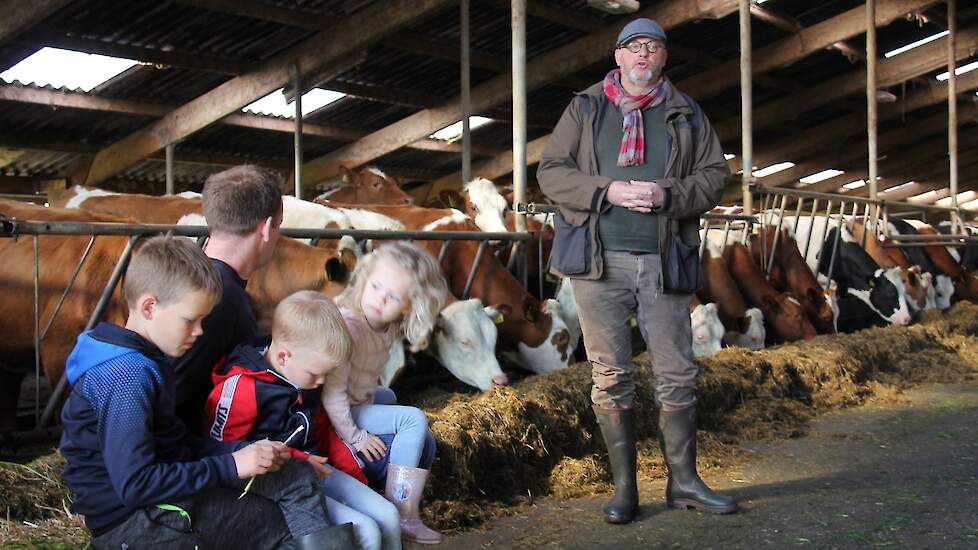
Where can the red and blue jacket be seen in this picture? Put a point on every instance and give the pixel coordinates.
(250, 400)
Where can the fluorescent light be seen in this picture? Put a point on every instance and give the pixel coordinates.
(729, 156)
(913, 45)
(959, 70)
(821, 176)
(854, 184)
(774, 168)
(901, 186)
(274, 104)
(966, 196)
(66, 69)
(454, 131)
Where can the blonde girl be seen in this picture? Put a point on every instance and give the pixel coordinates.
(396, 292)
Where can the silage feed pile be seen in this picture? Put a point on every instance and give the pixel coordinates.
(514, 444)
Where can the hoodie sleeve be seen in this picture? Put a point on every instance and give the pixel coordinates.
(122, 399)
(232, 409)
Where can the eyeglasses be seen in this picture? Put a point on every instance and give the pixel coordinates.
(635, 46)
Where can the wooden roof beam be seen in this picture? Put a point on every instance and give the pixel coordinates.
(20, 16)
(333, 45)
(795, 47)
(78, 100)
(541, 70)
(844, 126)
(891, 71)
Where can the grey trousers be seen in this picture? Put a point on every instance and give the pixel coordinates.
(278, 505)
(631, 285)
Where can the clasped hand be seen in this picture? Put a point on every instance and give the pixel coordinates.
(635, 195)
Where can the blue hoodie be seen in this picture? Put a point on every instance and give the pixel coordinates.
(125, 447)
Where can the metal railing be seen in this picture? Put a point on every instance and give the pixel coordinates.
(13, 228)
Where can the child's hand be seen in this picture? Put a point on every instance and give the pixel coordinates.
(260, 458)
(318, 464)
(372, 447)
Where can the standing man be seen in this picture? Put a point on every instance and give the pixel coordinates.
(243, 208)
(632, 164)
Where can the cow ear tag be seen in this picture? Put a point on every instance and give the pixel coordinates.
(499, 318)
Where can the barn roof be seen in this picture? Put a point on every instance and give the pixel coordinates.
(398, 63)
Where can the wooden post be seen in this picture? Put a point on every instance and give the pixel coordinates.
(466, 95)
(746, 107)
(519, 109)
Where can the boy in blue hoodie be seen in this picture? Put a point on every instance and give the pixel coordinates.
(139, 477)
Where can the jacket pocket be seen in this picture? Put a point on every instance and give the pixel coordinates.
(681, 274)
(571, 252)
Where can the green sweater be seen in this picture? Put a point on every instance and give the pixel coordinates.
(620, 228)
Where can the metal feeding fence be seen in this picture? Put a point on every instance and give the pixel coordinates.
(14, 228)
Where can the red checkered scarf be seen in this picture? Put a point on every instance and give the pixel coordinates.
(632, 151)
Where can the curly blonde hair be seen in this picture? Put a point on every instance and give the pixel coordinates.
(428, 289)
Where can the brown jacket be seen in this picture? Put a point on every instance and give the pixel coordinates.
(696, 173)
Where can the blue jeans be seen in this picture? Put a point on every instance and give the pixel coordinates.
(376, 522)
(376, 471)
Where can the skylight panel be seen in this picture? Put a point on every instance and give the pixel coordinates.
(454, 131)
(773, 169)
(66, 69)
(729, 156)
(854, 184)
(970, 205)
(821, 176)
(927, 197)
(274, 104)
(913, 45)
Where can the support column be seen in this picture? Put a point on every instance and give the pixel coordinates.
(466, 95)
(952, 108)
(746, 108)
(871, 115)
(297, 86)
(519, 108)
(169, 169)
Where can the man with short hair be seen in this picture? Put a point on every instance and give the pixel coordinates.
(243, 208)
(631, 164)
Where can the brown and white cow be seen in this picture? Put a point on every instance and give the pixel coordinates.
(707, 329)
(783, 312)
(965, 282)
(789, 272)
(296, 266)
(536, 337)
(58, 254)
(744, 327)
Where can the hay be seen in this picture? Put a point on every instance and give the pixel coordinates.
(509, 446)
(538, 436)
(33, 491)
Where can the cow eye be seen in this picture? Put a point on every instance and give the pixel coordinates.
(465, 342)
(475, 209)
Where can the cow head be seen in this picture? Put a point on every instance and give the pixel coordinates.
(369, 186)
(707, 330)
(916, 289)
(554, 352)
(750, 331)
(822, 315)
(886, 296)
(485, 205)
(465, 343)
(788, 319)
(966, 286)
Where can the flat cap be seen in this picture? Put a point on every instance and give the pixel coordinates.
(641, 27)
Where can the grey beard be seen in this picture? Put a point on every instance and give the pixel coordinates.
(636, 76)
